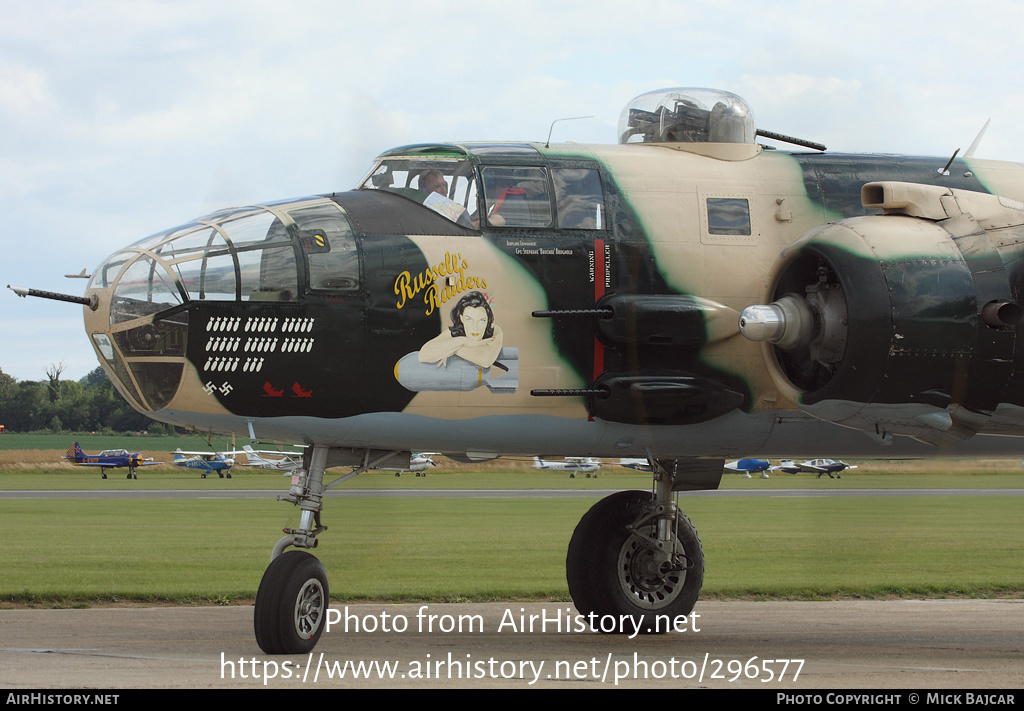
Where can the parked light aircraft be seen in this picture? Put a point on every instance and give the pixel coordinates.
(418, 463)
(748, 466)
(825, 466)
(575, 465)
(641, 464)
(286, 462)
(688, 295)
(739, 465)
(788, 466)
(109, 459)
(206, 462)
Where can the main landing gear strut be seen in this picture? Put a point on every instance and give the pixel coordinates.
(634, 558)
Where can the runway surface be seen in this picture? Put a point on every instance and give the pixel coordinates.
(775, 646)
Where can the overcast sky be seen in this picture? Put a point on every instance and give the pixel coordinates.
(119, 119)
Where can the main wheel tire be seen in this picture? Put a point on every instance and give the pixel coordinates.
(291, 604)
(612, 572)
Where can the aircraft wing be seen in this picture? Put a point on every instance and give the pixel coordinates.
(285, 461)
(271, 452)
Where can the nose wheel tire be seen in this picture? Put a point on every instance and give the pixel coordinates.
(291, 604)
(617, 572)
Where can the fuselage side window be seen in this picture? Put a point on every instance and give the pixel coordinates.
(516, 196)
(332, 260)
(728, 216)
(579, 198)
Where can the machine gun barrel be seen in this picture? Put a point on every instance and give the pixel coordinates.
(790, 139)
(91, 301)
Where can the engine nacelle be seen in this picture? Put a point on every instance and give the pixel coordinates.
(900, 323)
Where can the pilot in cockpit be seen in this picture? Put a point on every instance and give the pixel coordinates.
(433, 183)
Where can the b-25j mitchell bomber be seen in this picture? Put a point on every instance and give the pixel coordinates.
(688, 295)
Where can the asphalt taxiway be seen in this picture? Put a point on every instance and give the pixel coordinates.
(778, 646)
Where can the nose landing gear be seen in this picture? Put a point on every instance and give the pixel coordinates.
(294, 596)
(291, 604)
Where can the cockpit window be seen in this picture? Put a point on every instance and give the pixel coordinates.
(145, 288)
(266, 257)
(105, 274)
(202, 262)
(193, 243)
(332, 260)
(579, 198)
(445, 186)
(258, 228)
(517, 196)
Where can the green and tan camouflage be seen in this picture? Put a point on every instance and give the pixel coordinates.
(688, 295)
(616, 279)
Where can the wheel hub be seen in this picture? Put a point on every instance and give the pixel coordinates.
(309, 608)
(647, 576)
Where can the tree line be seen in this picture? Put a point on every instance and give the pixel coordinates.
(91, 404)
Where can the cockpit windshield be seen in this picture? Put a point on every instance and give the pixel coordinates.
(446, 186)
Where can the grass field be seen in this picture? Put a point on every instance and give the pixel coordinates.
(89, 551)
(66, 551)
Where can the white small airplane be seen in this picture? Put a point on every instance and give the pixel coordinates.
(826, 466)
(571, 464)
(418, 463)
(639, 463)
(286, 462)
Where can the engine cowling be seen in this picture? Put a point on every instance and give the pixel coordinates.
(899, 323)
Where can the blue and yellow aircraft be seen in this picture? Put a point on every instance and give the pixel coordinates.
(108, 459)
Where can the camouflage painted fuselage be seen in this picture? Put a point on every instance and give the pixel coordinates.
(607, 338)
